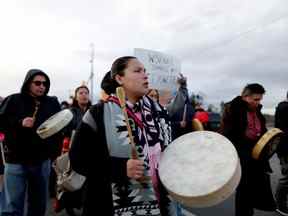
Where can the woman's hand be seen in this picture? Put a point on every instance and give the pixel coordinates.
(135, 168)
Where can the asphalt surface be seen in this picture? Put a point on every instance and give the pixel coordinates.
(227, 207)
(224, 209)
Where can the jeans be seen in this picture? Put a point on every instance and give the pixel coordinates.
(19, 179)
(178, 208)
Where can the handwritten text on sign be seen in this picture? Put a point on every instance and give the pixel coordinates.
(163, 69)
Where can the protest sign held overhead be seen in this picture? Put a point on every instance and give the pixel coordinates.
(163, 69)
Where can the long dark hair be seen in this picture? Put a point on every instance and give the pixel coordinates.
(75, 102)
(109, 84)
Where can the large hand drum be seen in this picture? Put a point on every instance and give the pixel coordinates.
(267, 144)
(200, 169)
(55, 123)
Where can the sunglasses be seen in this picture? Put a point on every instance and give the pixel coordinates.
(38, 83)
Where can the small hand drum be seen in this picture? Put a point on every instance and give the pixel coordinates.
(55, 123)
(200, 169)
(267, 144)
(197, 125)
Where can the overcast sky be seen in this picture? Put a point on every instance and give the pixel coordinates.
(222, 45)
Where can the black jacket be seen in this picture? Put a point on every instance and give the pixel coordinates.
(23, 145)
(94, 162)
(281, 122)
(233, 126)
(281, 116)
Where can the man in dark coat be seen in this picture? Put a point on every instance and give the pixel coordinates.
(27, 156)
(243, 124)
(281, 121)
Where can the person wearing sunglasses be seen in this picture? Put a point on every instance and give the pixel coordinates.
(27, 156)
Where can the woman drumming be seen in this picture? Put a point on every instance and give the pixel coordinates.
(117, 183)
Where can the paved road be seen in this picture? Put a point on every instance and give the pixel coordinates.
(227, 207)
(224, 209)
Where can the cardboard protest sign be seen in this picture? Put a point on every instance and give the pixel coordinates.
(163, 71)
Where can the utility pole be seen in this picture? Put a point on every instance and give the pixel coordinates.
(91, 78)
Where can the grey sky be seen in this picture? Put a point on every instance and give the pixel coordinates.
(222, 44)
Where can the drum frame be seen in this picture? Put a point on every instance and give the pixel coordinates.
(263, 141)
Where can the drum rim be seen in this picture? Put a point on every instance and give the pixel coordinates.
(261, 143)
(67, 117)
(234, 177)
(210, 199)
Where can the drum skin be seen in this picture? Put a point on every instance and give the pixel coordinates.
(200, 169)
(55, 123)
(267, 144)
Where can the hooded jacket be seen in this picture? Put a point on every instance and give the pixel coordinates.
(23, 145)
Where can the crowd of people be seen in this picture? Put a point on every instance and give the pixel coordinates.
(120, 158)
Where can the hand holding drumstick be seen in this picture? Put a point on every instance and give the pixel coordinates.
(29, 121)
(135, 167)
(121, 96)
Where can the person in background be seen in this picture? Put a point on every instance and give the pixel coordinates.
(154, 94)
(180, 110)
(201, 115)
(281, 122)
(80, 104)
(28, 157)
(53, 176)
(2, 162)
(181, 113)
(243, 124)
(123, 179)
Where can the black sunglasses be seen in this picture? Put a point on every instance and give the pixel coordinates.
(38, 83)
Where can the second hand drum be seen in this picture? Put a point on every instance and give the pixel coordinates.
(267, 145)
(55, 123)
(200, 169)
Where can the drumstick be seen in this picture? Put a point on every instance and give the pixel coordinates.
(121, 96)
(184, 113)
(37, 103)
